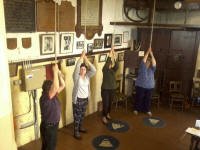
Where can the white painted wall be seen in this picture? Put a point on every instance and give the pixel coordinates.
(7, 137)
(112, 11)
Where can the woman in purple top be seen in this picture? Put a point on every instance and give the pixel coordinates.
(145, 83)
(50, 109)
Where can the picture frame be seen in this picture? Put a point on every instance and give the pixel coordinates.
(90, 48)
(47, 44)
(80, 45)
(91, 59)
(121, 56)
(125, 37)
(117, 39)
(98, 43)
(93, 19)
(107, 40)
(70, 61)
(66, 43)
(102, 57)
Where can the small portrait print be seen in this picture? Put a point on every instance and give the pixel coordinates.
(80, 44)
(107, 40)
(47, 45)
(118, 39)
(102, 57)
(120, 56)
(125, 36)
(66, 44)
(98, 43)
(71, 61)
(90, 48)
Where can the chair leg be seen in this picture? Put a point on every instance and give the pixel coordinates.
(171, 103)
(126, 104)
(158, 103)
(116, 105)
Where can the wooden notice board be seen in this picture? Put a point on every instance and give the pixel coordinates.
(19, 15)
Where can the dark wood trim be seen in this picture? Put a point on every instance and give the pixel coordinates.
(167, 26)
(69, 56)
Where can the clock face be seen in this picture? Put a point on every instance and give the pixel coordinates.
(177, 5)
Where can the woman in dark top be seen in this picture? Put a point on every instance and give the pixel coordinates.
(108, 85)
(145, 83)
(50, 109)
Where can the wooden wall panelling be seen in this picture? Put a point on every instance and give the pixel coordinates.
(11, 43)
(46, 16)
(66, 16)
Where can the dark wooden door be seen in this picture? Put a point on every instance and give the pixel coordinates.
(181, 59)
(175, 53)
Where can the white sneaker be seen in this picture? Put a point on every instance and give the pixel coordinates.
(149, 113)
(135, 112)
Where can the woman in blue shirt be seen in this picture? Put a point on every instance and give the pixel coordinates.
(145, 83)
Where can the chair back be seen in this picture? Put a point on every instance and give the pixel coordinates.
(175, 86)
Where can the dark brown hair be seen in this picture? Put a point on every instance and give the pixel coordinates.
(84, 65)
(47, 85)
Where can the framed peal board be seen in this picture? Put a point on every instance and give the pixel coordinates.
(89, 15)
(19, 15)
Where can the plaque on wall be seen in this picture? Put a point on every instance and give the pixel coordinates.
(65, 19)
(89, 18)
(19, 15)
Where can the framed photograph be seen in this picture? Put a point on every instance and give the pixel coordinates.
(47, 44)
(102, 57)
(66, 43)
(98, 43)
(80, 45)
(107, 40)
(118, 39)
(91, 59)
(70, 61)
(125, 36)
(121, 56)
(90, 48)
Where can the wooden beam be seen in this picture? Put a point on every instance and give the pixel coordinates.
(166, 26)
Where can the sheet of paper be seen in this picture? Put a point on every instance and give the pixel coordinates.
(141, 53)
(197, 124)
(193, 131)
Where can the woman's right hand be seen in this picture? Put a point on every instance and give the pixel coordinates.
(55, 68)
(83, 54)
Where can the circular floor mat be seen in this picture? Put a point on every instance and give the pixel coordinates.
(105, 142)
(153, 122)
(117, 126)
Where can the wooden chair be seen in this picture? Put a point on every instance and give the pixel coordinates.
(120, 98)
(176, 96)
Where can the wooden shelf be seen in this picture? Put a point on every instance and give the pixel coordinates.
(165, 26)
